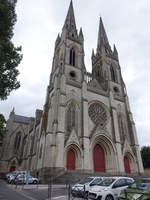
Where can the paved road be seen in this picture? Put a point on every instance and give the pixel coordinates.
(7, 193)
(59, 193)
(31, 192)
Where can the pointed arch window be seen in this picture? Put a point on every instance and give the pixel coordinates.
(71, 116)
(72, 57)
(121, 128)
(113, 74)
(17, 141)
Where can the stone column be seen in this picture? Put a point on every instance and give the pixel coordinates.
(60, 133)
(118, 144)
(86, 147)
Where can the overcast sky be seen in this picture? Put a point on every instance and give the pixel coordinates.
(127, 24)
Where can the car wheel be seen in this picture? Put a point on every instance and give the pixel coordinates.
(109, 197)
(11, 182)
(34, 182)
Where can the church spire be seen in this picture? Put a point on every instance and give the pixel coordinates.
(102, 38)
(70, 24)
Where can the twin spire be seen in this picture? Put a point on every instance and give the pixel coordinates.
(102, 43)
(102, 37)
(70, 24)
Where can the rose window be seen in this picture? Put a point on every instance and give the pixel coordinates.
(98, 115)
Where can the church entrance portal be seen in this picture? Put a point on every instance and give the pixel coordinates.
(127, 165)
(99, 159)
(70, 160)
(12, 168)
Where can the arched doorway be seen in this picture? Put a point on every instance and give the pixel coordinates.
(98, 159)
(12, 168)
(127, 165)
(70, 160)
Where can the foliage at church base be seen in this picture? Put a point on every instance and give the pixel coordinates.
(145, 153)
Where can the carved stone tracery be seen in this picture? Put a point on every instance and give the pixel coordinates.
(98, 115)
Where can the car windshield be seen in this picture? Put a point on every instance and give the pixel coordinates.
(86, 180)
(106, 182)
(96, 181)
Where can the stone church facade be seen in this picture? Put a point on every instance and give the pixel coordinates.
(86, 124)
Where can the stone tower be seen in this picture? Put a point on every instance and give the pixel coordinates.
(87, 124)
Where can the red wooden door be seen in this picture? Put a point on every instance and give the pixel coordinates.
(99, 159)
(126, 165)
(71, 160)
(12, 168)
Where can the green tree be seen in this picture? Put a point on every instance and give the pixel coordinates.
(145, 153)
(2, 126)
(10, 56)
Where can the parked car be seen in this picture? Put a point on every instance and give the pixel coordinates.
(21, 179)
(109, 188)
(81, 189)
(11, 173)
(145, 182)
(11, 176)
(136, 191)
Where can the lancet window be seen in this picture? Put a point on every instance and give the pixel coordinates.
(17, 141)
(71, 116)
(72, 57)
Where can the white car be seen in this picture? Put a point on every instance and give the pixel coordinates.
(81, 189)
(109, 188)
(21, 179)
(11, 176)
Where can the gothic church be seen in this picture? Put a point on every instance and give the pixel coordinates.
(86, 124)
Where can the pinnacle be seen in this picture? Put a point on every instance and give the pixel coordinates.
(115, 52)
(81, 33)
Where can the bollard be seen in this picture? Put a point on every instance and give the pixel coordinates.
(23, 182)
(84, 192)
(49, 190)
(125, 194)
(16, 184)
(69, 189)
(66, 184)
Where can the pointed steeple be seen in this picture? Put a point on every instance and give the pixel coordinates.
(13, 110)
(102, 38)
(12, 113)
(93, 54)
(70, 24)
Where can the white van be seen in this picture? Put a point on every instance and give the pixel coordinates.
(109, 188)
